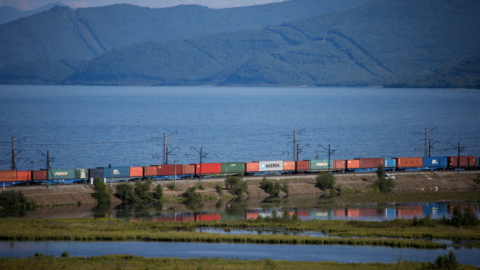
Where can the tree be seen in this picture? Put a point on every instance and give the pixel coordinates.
(142, 190)
(325, 181)
(235, 185)
(102, 193)
(269, 187)
(126, 194)
(191, 196)
(158, 194)
(383, 184)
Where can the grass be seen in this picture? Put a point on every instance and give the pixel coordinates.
(132, 262)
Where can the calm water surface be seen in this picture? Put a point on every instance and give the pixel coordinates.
(92, 126)
(343, 254)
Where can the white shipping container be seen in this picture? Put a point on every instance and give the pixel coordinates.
(266, 166)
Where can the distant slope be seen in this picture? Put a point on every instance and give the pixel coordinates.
(82, 34)
(8, 14)
(382, 42)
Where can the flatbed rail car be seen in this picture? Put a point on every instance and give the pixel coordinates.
(276, 167)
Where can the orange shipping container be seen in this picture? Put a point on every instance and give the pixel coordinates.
(150, 171)
(289, 165)
(414, 162)
(303, 165)
(352, 212)
(339, 164)
(252, 167)
(8, 176)
(188, 169)
(339, 212)
(24, 175)
(252, 215)
(136, 171)
(353, 164)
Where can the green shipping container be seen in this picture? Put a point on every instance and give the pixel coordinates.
(233, 167)
(61, 174)
(320, 164)
(81, 174)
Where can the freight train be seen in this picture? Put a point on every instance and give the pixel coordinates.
(277, 167)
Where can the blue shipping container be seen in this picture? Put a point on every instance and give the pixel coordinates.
(94, 173)
(390, 163)
(435, 162)
(116, 172)
(390, 213)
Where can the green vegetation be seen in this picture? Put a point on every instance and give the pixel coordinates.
(158, 193)
(102, 193)
(445, 262)
(382, 184)
(219, 189)
(467, 219)
(236, 186)
(192, 197)
(14, 203)
(141, 192)
(125, 193)
(325, 181)
(114, 262)
(286, 187)
(273, 189)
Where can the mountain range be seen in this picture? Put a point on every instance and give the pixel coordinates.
(407, 43)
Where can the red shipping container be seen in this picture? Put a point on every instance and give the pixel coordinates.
(8, 176)
(353, 164)
(252, 215)
(168, 169)
(414, 162)
(136, 171)
(410, 211)
(465, 161)
(207, 217)
(339, 212)
(303, 213)
(368, 163)
(368, 212)
(39, 175)
(252, 167)
(188, 169)
(352, 212)
(208, 168)
(339, 164)
(150, 171)
(303, 165)
(24, 175)
(289, 165)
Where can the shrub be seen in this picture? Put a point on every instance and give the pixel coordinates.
(286, 187)
(236, 186)
(126, 194)
(171, 187)
(158, 194)
(219, 189)
(65, 255)
(446, 261)
(142, 190)
(12, 200)
(383, 184)
(191, 196)
(102, 193)
(271, 188)
(325, 181)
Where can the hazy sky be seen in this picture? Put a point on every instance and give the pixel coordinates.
(33, 4)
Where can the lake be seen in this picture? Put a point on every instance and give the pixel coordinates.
(93, 126)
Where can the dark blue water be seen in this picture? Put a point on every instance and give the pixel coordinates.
(93, 126)
(343, 254)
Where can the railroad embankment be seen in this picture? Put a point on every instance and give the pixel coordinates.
(298, 186)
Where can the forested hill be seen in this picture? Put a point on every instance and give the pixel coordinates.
(383, 42)
(65, 34)
(8, 14)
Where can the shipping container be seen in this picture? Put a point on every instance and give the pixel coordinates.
(136, 171)
(8, 176)
(339, 165)
(390, 163)
(95, 173)
(435, 163)
(410, 211)
(342, 212)
(233, 167)
(61, 174)
(251, 215)
(81, 174)
(370, 163)
(368, 212)
(39, 175)
(353, 212)
(390, 213)
(188, 169)
(303, 165)
(208, 168)
(24, 175)
(353, 164)
(207, 217)
(164, 170)
(252, 167)
(289, 165)
(409, 162)
(116, 172)
(267, 166)
(150, 171)
(321, 164)
(465, 162)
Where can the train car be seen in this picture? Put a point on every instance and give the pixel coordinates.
(39, 175)
(320, 165)
(116, 173)
(208, 168)
(251, 168)
(409, 163)
(168, 171)
(136, 172)
(188, 171)
(232, 168)
(8, 178)
(369, 164)
(289, 167)
(353, 165)
(270, 167)
(465, 162)
(435, 163)
(24, 176)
